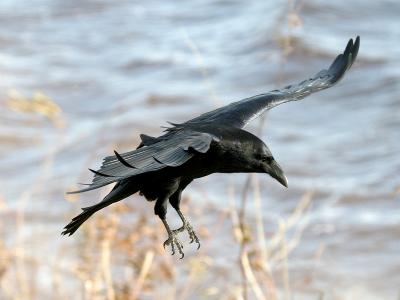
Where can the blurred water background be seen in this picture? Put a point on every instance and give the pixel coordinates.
(81, 78)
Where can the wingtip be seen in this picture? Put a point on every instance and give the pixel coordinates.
(99, 173)
(75, 192)
(348, 48)
(89, 188)
(355, 49)
(344, 61)
(357, 44)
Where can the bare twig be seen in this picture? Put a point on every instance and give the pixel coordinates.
(144, 271)
(200, 61)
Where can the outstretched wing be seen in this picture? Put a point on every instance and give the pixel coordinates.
(240, 113)
(181, 145)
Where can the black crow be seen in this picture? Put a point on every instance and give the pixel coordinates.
(214, 142)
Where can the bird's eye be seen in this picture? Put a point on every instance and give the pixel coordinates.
(267, 159)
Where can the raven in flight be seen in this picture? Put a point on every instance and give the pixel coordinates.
(214, 142)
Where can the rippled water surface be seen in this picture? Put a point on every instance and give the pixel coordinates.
(120, 68)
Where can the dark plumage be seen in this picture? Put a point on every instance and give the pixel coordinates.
(214, 142)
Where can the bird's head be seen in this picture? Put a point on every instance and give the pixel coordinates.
(265, 162)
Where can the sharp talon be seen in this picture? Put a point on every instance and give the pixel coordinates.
(181, 252)
(174, 242)
(192, 235)
(173, 247)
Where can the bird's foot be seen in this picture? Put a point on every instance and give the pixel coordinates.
(174, 242)
(192, 234)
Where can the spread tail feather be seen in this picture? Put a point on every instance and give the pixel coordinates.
(82, 217)
(120, 191)
(91, 186)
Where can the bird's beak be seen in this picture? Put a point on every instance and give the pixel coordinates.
(277, 173)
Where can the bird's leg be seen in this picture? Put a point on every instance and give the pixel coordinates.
(172, 240)
(160, 209)
(175, 200)
(186, 225)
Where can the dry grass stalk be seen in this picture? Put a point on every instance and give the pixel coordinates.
(105, 259)
(200, 61)
(39, 104)
(144, 271)
(26, 291)
(251, 278)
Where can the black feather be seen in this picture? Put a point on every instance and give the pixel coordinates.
(240, 113)
(99, 173)
(123, 161)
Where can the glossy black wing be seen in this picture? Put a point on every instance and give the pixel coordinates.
(173, 151)
(240, 113)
